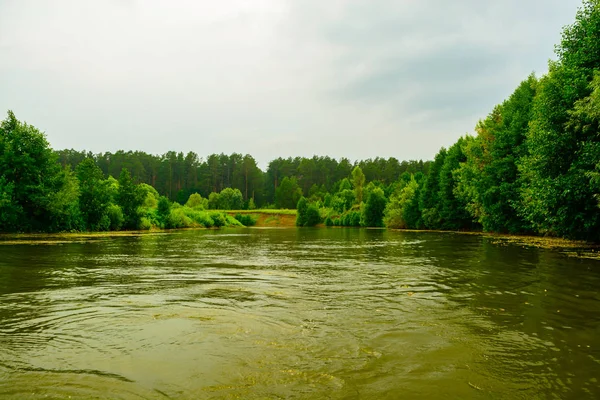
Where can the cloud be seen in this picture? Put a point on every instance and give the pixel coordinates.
(269, 77)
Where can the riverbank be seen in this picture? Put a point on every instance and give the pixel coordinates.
(264, 218)
(287, 219)
(269, 218)
(571, 248)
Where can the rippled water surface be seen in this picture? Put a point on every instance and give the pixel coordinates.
(306, 314)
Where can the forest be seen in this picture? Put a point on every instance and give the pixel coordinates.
(532, 167)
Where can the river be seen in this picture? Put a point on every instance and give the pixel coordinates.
(297, 314)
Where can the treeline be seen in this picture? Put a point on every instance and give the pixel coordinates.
(46, 191)
(178, 175)
(533, 166)
(38, 195)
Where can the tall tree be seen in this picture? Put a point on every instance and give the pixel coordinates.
(94, 195)
(358, 182)
(130, 197)
(374, 207)
(288, 193)
(557, 196)
(31, 177)
(429, 199)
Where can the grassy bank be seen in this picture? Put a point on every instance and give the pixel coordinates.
(268, 211)
(269, 218)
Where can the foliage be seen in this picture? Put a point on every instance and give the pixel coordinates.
(144, 224)
(164, 210)
(230, 199)
(197, 201)
(312, 216)
(557, 195)
(115, 217)
(452, 209)
(94, 197)
(245, 219)
(358, 182)
(402, 211)
(533, 167)
(372, 213)
(301, 207)
(429, 199)
(308, 213)
(130, 198)
(31, 179)
(288, 193)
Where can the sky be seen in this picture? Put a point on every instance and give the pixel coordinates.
(271, 78)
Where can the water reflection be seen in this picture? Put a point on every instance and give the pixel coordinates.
(286, 313)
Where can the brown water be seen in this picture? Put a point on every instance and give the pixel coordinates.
(300, 314)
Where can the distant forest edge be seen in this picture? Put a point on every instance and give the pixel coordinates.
(533, 167)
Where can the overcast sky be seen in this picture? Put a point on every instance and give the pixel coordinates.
(344, 78)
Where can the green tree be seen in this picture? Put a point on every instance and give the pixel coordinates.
(429, 199)
(94, 197)
(10, 211)
(585, 119)
(453, 212)
(343, 201)
(288, 193)
(557, 196)
(301, 208)
(312, 216)
(164, 211)
(213, 201)
(402, 211)
(372, 213)
(196, 201)
(488, 182)
(358, 182)
(31, 178)
(63, 206)
(130, 198)
(231, 199)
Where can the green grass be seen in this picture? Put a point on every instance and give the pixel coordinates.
(263, 211)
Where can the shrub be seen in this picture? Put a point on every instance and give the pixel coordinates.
(197, 201)
(302, 207)
(178, 219)
(246, 219)
(104, 223)
(115, 215)
(232, 221)
(219, 219)
(312, 216)
(144, 224)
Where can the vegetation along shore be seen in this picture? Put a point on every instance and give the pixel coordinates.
(532, 168)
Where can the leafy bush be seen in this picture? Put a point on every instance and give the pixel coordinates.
(231, 221)
(373, 210)
(301, 206)
(178, 219)
(115, 215)
(312, 216)
(219, 219)
(246, 219)
(197, 201)
(144, 224)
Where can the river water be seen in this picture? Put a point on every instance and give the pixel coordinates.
(297, 314)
